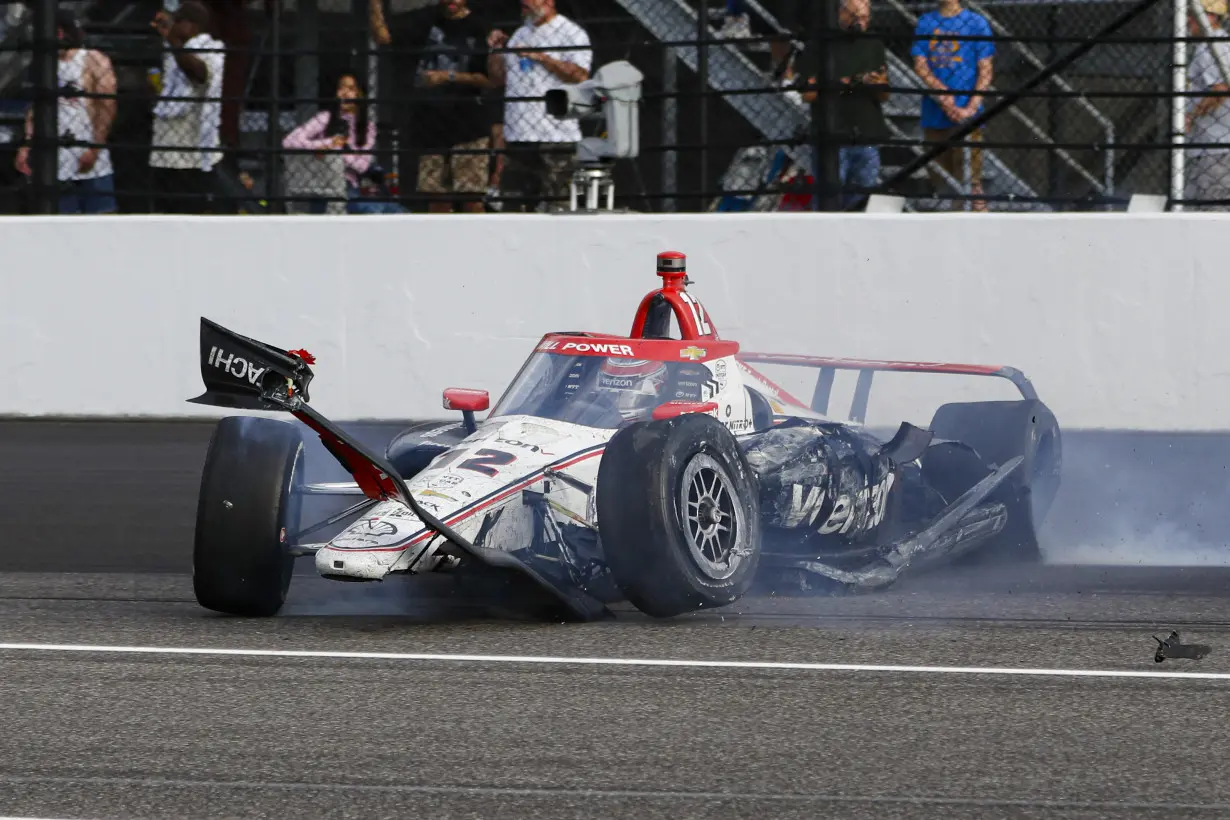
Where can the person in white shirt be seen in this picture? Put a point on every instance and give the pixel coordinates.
(1208, 118)
(86, 176)
(539, 148)
(187, 132)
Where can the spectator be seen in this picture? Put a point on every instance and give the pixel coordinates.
(186, 132)
(443, 65)
(1208, 118)
(736, 23)
(540, 147)
(86, 177)
(340, 129)
(782, 64)
(862, 68)
(960, 70)
(11, 15)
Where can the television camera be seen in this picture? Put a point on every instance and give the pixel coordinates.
(613, 94)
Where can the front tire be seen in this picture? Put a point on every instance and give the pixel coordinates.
(678, 515)
(248, 504)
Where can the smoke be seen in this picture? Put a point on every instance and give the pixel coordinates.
(1163, 545)
(1141, 499)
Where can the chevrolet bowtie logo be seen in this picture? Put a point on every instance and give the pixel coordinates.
(693, 353)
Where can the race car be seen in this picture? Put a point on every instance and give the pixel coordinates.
(666, 472)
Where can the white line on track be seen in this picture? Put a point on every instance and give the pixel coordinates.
(566, 661)
(215, 787)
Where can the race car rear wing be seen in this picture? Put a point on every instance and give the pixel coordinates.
(867, 368)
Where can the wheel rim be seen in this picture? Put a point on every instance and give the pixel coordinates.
(712, 518)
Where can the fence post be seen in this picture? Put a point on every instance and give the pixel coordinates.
(307, 60)
(273, 167)
(827, 169)
(1178, 106)
(670, 127)
(44, 162)
(702, 76)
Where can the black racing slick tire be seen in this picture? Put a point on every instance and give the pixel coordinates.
(678, 515)
(999, 431)
(248, 505)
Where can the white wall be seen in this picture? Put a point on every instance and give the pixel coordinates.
(1120, 320)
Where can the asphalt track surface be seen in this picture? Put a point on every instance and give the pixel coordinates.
(964, 695)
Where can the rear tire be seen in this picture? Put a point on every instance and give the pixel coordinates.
(665, 490)
(999, 431)
(248, 504)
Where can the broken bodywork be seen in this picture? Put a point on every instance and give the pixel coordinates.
(518, 492)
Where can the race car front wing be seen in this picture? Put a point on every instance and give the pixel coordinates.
(243, 373)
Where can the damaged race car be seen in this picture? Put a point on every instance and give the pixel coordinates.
(669, 473)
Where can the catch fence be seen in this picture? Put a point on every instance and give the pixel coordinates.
(402, 105)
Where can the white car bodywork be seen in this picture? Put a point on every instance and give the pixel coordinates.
(493, 466)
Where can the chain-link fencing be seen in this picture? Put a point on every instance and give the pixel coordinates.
(391, 106)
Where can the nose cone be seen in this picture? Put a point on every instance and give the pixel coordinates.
(369, 547)
(361, 565)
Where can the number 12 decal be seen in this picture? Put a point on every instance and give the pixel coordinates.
(698, 313)
(486, 461)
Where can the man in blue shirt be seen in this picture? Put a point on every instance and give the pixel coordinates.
(960, 70)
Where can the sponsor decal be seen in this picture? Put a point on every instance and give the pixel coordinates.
(842, 517)
(533, 448)
(435, 494)
(548, 345)
(805, 507)
(367, 533)
(616, 382)
(401, 512)
(719, 372)
(237, 366)
(597, 347)
(377, 527)
(447, 480)
(693, 353)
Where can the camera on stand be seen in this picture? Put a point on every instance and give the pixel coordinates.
(612, 95)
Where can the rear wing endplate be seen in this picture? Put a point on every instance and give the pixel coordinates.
(867, 368)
